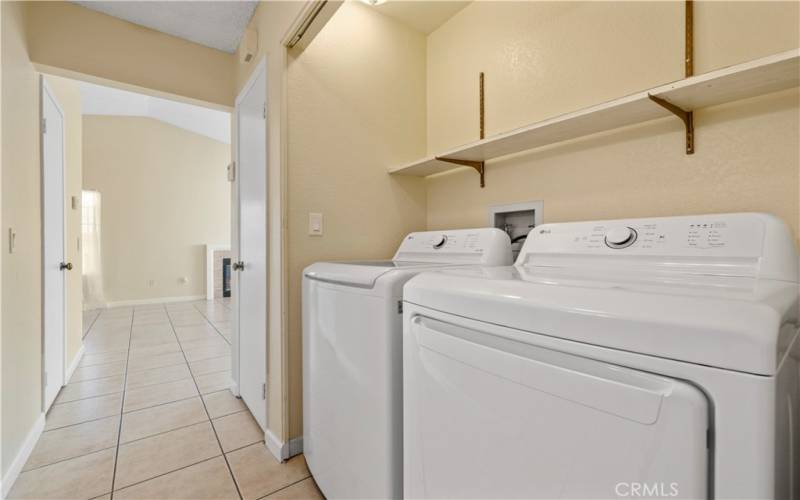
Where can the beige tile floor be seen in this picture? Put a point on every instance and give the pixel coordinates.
(148, 415)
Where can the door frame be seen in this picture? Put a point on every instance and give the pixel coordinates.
(44, 88)
(236, 231)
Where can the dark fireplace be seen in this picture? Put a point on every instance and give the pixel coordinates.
(226, 277)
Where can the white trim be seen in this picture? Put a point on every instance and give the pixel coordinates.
(157, 300)
(24, 453)
(210, 249)
(274, 445)
(75, 362)
(280, 450)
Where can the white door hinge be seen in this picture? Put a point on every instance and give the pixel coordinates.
(232, 171)
(264, 391)
(44, 125)
(265, 111)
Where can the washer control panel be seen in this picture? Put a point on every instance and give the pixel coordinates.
(720, 244)
(489, 246)
(739, 234)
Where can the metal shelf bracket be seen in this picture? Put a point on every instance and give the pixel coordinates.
(686, 116)
(477, 165)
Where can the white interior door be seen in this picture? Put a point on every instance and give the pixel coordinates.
(251, 301)
(53, 245)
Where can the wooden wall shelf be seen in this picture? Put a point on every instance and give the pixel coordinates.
(741, 81)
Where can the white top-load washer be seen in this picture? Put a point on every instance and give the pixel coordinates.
(630, 358)
(352, 366)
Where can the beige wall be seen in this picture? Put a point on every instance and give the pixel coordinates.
(164, 196)
(354, 109)
(271, 20)
(75, 39)
(69, 97)
(21, 278)
(542, 59)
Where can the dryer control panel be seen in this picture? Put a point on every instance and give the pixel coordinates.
(746, 244)
(485, 246)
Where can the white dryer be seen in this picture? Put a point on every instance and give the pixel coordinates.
(652, 358)
(352, 358)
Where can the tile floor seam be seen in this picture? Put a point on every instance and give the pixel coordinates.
(243, 446)
(157, 367)
(89, 330)
(168, 472)
(213, 429)
(46, 430)
(88, 397)
(283, 487)
(159, 404)
(242, 410)
(212, 324)
(90, 379)
(122, 409)
(67, 459)
(160, 433)
(162, 382)
(98, 364)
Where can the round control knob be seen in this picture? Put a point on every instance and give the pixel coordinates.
(439, 241)
(621, 237)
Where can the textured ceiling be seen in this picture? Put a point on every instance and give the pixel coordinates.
(215, 24)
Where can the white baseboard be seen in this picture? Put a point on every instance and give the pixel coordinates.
(274, 445)
(19, 461)
(283, 451)
(159, 300)
(74, 364)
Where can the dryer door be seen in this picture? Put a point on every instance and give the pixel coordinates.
(488, 414)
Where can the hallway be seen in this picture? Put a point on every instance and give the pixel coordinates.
(148, 414)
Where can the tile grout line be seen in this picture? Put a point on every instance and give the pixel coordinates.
(168, 472)
(284, 487)
(46, 430)
(211, 423)
(212, 325)
(122, 407)
(89, 330)
(67, 459)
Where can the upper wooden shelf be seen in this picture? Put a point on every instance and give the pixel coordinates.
(750, 79)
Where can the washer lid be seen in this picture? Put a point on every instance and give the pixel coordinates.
(743, 328)
(362, 273)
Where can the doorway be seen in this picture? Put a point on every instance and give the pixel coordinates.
(250, 334)
(53, 245)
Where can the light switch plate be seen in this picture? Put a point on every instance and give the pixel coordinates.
(315, 224)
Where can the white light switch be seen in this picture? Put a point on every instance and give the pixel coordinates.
(315, 224)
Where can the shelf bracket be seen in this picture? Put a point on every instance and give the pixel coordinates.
(477, 165)
(687, 117)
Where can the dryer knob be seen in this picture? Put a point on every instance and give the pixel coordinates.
(621, 237)
(439, 241)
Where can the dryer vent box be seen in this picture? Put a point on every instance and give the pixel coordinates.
(516, 219)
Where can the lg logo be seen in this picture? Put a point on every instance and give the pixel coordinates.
(645, 490)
